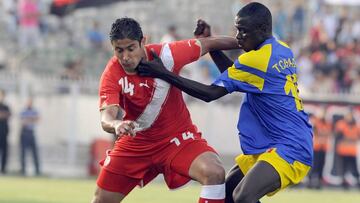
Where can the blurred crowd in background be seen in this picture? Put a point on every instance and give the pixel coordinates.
(324, 36)
(336, 142)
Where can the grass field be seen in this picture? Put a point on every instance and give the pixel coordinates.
(45, 190)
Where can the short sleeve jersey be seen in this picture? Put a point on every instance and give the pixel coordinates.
(156, 106)
(271, 115)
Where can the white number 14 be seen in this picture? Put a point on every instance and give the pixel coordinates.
(185, 136)
(127, 87)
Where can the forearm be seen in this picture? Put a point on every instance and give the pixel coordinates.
(109, 118)
(198, 90)
(218, 43)
(221, 60)
(108, 126)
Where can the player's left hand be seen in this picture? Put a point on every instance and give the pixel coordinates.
(202, 29)
(154, 68)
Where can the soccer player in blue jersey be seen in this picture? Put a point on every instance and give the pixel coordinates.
(274, 131)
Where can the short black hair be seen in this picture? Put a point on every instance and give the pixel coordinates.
(124, 28)
(261, 18)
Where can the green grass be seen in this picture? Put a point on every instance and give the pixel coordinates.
(46, 190)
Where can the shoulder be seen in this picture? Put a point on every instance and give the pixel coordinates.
(187, 43)
(258, 59)
(283, 44)
(156, 47)
(112, 72)
(112, 67)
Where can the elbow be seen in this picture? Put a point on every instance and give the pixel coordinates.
(104, 126)
(208, 98)
(210, 95)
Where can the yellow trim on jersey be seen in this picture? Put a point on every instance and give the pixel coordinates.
(258, 59)
(290, 174)
(247, 77)
(283, 43)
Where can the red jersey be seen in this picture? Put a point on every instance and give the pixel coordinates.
(156, 106)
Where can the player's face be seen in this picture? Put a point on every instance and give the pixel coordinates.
(129, 53)
(245, 35)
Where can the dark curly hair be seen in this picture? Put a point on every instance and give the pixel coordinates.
(124, 28)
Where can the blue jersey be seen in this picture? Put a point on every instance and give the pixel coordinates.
(272, 114)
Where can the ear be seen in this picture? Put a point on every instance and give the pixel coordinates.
(143, 41)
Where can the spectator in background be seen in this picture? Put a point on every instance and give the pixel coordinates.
(29, 119)
(10, 16)
(95, 37)
(298, 20)
(330, 22)
(44, 27)
(3, 58)
(171, 35)
(29, 16)
(355, 31)
(355, 86)
(280, 22)
(306, 75)
(73, 69)
(4, 130)
(349, 134)
(322, 132)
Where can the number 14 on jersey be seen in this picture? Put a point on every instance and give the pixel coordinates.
(185, 136)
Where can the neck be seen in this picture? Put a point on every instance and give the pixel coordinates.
(262, 39)
(130, 72)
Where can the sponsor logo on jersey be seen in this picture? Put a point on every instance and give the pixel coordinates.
(144, 84)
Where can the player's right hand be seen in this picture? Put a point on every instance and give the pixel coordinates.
(202, 29)
(124, 128)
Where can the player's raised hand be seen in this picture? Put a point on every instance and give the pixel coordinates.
(125, 127)
(202, 29)
(154, 68)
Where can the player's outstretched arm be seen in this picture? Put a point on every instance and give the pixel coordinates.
(203, 30)
(156, 68)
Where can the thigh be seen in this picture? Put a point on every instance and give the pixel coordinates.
(193, 157)
(115, 185)
(260, 180)
(207, 169)
(233, 178)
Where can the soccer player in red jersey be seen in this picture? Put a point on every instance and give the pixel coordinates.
(155, 132)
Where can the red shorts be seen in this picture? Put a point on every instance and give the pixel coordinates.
(125, 168)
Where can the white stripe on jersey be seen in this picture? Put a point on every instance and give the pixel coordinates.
(152, 110)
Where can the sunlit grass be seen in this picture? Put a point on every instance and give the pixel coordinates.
(48, 190)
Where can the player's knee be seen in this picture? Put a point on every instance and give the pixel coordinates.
(104, 199)
(212, 175)
(102, 196)
(96, 198)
